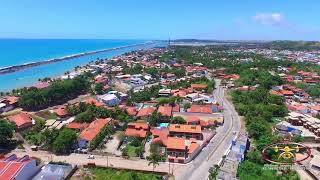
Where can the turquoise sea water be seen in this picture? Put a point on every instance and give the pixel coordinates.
(19, 51)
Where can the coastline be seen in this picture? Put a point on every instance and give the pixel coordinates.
(15, 68)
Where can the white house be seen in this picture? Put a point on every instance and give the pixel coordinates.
(109, 99)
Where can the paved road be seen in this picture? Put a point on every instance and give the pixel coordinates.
(212, 154)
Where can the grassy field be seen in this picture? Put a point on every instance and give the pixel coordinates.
(115, 174)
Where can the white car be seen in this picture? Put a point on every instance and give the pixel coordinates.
(91, 156)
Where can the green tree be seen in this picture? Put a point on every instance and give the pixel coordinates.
(297, 138)
(178, 120)
(98, 88)
(64, 141)
(6, 132)
(154, 159)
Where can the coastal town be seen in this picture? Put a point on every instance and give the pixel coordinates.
(172, 112)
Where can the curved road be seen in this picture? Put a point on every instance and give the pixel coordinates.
(220, 143)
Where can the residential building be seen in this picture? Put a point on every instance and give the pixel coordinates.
(22, 120)
(145, 112)
(200, 109)
(165, 111)
(16, 168)
(61, 112)
(186, 131)
(165, 92)
(109, 99)
(89, 133)
(55, 172)
(137, 129)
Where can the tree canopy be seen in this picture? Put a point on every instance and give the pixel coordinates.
(6, 132)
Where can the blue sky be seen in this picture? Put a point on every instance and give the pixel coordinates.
(150, 19)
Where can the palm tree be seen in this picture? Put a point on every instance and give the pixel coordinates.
(154, 159)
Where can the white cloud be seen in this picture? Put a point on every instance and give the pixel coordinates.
(269, 18)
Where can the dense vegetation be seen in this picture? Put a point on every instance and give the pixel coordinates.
(113, 174)
(59, 92)
(87, 112)
(6, 132)
(64, 141)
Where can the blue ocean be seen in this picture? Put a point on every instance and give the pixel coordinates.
(20, 51)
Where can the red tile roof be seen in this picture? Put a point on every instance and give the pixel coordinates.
(184, 128)
(192, 147)
(145, 112)
(287, 92)
(176, 143)
(11, 168)
(136, 133)
(160, 135)
(78, 126)
(165, 110)
(180, 93)
(93, 129)
(176, 108)
(191, 119)
(138, 125)
(132, 111)
(94, 102)
(22, 119)
(200, 109)
(61, 111)
(12, 99)
(199, 86)
(316, 108)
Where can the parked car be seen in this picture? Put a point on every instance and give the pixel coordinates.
(91, 156)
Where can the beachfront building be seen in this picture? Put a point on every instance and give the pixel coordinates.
(8, 103)
(16, 168)
(89, 133)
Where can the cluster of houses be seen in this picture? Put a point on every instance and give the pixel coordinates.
(302, 125)
(21, 168)
(299, 56)
(304, 109)
(179, 142)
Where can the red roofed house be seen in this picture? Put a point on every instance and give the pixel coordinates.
(199, 86)
(187, 131)
(16, 168)
(200, 109)
(287, 93)
(176, 149)
(137, 129)
(145, 112)
(77, 126)
(165, 111)
(94, 102)
(22, 120)
(159, 135)
(89, 133)
(61, 112)
(315, 110)
(8, 103)
(132, 111)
